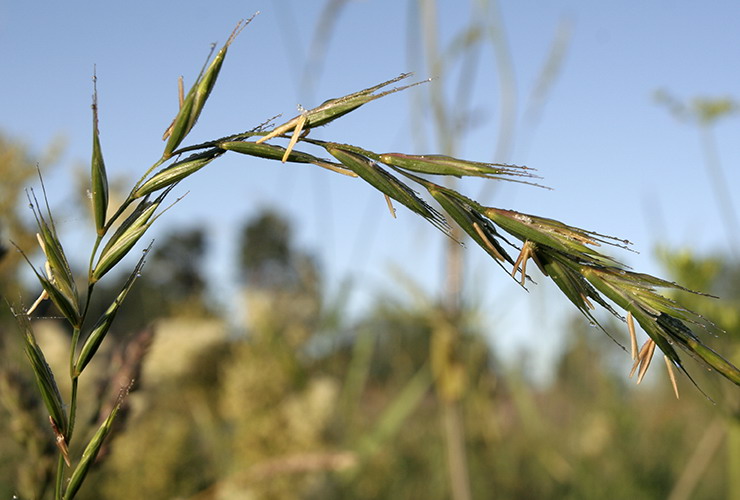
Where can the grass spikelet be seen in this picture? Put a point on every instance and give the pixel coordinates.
(44, 376)
(127, 235)
(388, 185)
(177, 172)
(449, 166)
(101, 327)
(332, 109)
(60, 284)
(193, 103)
(93, 448)
(99, 178)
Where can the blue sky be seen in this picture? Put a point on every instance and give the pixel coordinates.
(618, 162)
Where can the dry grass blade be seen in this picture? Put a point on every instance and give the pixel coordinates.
(487, 242)
(529, 251)
(391, 208)
(643, 360)
(294, 138)
(44, 295)
(633, 335)
(671, 375)
(60, 441)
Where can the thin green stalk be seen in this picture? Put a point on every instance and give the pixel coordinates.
(73, 350)
(90, 288)
(143, 178)
(127, 202)
(59, 483)
(72, 408)
(74, 377)
(213, 144)
(90, 266)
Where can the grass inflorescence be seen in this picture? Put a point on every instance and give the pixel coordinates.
(570, 256)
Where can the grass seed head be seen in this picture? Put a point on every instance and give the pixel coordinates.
(92, 449)
(102, 326)
(387, 184)
(44, 376)
(60, 283)
(464, 212)
(177, 171)
(447, 165)
(99, 178)
(192, 105)
(127, 235)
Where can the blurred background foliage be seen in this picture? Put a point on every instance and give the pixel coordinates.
(296, 402)
(298, 398)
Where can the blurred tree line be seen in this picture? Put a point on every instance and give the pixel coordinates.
(298, 400)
